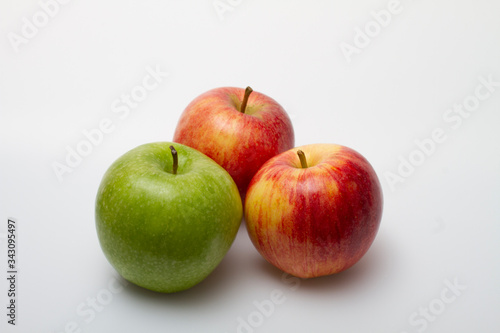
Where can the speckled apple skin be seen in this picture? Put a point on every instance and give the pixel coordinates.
(240, 142)
(318, 220)
(161, 231)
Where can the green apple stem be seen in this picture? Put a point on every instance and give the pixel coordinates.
(248, 91)
(302, 158)
(174, 156)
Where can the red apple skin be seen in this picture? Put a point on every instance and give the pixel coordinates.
(239, 142)
(318, 220)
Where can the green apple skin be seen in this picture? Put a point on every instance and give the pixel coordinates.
(162, 231)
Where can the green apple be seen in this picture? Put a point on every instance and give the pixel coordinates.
(166, 215)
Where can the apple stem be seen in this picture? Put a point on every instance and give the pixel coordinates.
(174, 156)
(302, 158)
(248, 91)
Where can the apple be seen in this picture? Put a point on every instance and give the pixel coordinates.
(238, 128)
(166, 215)
(314, 210)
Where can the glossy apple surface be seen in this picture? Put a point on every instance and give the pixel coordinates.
(240, 142)
(315, 220)
(163, 231)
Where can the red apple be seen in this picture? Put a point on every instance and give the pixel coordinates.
(238, 129)
(314, 210)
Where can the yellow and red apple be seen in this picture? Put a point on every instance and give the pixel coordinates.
(238, 129)
(314, 210)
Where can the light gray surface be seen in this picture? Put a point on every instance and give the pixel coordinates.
(441, 217)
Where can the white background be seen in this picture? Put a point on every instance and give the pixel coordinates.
(441, 219)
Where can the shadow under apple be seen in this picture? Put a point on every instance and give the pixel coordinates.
(221, 285)
(372, 266)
